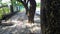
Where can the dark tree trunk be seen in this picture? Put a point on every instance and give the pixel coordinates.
(32, 11)
(29, 12)
(50, 16)
(11, 8)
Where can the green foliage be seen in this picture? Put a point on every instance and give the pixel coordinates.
(38, 5)
(4, 10)
(1, 13)
(4, 3)
(7, 10)
(19, 4)
(15, 2)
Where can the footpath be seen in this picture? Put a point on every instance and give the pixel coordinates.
(21, 26)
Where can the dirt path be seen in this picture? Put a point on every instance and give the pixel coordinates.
(20, 26)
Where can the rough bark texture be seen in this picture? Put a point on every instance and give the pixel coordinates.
(50, 16)
(32, 11)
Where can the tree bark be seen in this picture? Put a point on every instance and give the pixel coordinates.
(32, 11)
(50, 17)
(29, 12)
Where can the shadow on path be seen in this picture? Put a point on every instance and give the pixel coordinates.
(20, 26)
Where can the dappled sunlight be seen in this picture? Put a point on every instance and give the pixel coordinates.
(20, 27)
(19, 20)
(30, 27)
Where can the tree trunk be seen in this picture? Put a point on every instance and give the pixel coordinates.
(50, 16)
(29, 12)
(11, 8)
(32, 11)
(25, 5)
